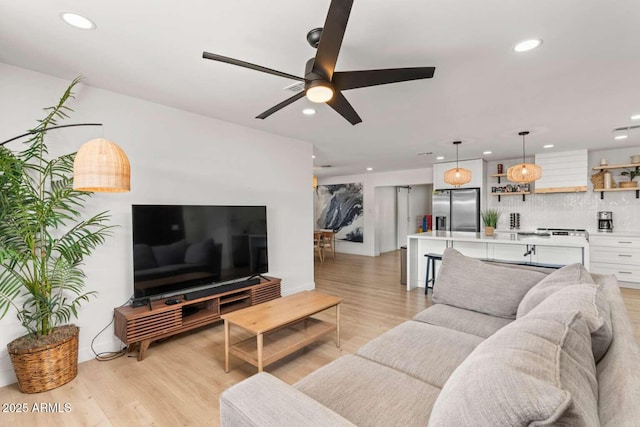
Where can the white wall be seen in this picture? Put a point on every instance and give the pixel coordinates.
(370, 182)
(176, 158)
(419, 205)
(571, 210)
(385, 227)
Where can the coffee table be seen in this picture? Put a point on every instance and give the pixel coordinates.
(280, 327)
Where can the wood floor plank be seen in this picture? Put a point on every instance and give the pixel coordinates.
(180, 380)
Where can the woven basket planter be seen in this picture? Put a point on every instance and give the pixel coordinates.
(627, 184)
(47, 367)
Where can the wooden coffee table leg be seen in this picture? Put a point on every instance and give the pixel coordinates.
(226, 346)
(338, 325)
(259, 341)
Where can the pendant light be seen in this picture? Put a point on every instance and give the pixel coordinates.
(457, 176)
(524, 172)
(99, 166)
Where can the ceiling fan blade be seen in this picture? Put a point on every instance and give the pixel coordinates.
(342, 106)
(355, 79)
(214, 57)
(283, 104)
(332, 34)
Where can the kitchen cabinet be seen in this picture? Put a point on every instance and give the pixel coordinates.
(471, 249)
(476, 167)
(538, 254)
(617, 254)
(563, 172)
(509, 247)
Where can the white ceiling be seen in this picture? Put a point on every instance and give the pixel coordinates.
(583, 82)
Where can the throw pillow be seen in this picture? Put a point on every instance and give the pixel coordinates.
(536, 371)
(571, 274)
(589, 300)
(143, 257)
(170, 254)
(199, 253)
(479, 286)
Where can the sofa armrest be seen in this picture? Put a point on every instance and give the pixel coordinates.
(264, 400)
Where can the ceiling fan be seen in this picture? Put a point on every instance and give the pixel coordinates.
(321, 82)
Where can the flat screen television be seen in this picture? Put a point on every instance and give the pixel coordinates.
(178, 248)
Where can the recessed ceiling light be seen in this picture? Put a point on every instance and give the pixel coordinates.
(527, 45)
(440, 158)
(308, 111)
(369, 169)
(621, 136)
(635, 117)
(548, 146)
(78, 21)
(313, 157)
(486, 152)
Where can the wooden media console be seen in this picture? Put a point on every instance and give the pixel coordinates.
(142, 325)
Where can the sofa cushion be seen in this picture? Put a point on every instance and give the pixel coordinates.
(571, 274)
(590, 301)
(170, 254)
(427, 352)
(475, 285)
(368, 393)
(538, 370)
(618, 378)
(143, 257)
(459, 319)
(265, 401)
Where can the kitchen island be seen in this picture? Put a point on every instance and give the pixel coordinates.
(518, 247)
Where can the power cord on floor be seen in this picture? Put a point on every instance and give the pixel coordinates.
(109, 355)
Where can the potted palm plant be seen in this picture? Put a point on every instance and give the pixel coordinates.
(43, 241)
(490, 219)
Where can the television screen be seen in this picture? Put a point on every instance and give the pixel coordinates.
(176, 248)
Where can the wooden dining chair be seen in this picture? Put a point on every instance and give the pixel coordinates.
(317, 244)
(328, 242)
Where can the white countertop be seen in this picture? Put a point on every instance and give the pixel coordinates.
(505, 238)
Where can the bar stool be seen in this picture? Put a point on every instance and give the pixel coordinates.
(431, 267)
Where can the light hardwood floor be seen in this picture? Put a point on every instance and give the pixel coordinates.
(180, 380)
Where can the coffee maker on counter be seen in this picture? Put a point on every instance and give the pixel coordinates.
(605, 221)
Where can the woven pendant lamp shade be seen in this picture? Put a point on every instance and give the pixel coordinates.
(457, 176)
(524, 172)
(101, 166)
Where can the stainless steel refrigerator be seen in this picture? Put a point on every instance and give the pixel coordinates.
(457, 210)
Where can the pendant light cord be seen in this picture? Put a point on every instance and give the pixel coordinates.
(33, 132)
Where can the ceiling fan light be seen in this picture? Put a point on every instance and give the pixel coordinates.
(319, 93)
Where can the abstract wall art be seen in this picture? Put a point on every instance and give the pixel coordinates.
(338, 207)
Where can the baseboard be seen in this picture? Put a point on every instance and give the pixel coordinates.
(300, 288)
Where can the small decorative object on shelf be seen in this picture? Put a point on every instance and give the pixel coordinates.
(500, 168)
(608, 180)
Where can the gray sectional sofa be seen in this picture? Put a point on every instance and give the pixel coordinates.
(501, 346)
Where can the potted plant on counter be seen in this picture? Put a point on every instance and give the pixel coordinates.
(490, 219)
(632, 174)
(43, 241)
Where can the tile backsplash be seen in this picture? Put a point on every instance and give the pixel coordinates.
(570, 210)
